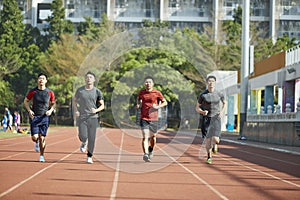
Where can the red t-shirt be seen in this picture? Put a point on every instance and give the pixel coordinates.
(148, 99)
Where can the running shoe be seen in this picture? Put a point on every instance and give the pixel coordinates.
(37, 146)
(150, 152)
(89, 160)
(42, 159)
(83, 147)
(215, 148)
(209, 161)
(146, 158)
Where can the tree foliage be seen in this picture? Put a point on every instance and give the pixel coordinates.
(7, 95)
(11, 37)
(57, 25)
(19, 55)
(25, 52)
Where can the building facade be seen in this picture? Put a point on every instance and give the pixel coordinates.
(275, 17)
(273, 107)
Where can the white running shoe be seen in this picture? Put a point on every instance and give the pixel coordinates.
(83, 147)
(151, 155)
(37, 146)
(146, 158)
(42, 159)
(89, 160)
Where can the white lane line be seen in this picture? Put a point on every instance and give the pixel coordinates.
(37, 173)
(261, 146)
(268, 157)
(26, 151)
(27, 139)
(253, 169)
(196, 176)
(259, 171)
(34, 175)
(256, 170)
(117, 172)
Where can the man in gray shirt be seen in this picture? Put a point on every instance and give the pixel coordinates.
(87, 103)
(209, 106)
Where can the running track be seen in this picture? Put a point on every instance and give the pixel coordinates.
(177, 171)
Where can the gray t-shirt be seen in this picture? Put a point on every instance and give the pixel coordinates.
(210, 101)
(88, 99)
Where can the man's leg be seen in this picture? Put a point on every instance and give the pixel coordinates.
(35, 137)
(208, 146)
(92, 124)
(42, 143)
(83, 135)
(145, 144)
(145, 141)
(152, 145)
(215, 142)
(153, 141)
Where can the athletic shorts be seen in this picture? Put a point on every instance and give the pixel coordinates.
(39, 125)
(151, 125)
(211, 126)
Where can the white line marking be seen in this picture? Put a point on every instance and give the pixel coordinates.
(34, 175)
(196, 176)
(26, 151)
(117, 173)
(262, 147)
(259, 171)
(268, 157)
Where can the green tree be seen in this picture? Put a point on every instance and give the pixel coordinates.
(65, 56)
(11, 37)
(25, 77)
(63, 90)
(57, 24)
(7, 95)
(97, 32)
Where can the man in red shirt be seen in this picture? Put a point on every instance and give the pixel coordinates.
(149, 100)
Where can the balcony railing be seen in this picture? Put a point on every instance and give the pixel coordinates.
(277, 116)
(292, 56)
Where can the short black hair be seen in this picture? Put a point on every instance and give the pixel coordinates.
(148, 77)
(91, 73)
(43, 74)
(211, 76)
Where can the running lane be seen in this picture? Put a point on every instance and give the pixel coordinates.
(177, 171)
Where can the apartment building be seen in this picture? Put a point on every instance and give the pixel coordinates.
(275, 17)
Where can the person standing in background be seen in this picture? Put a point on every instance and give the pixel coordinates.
(17, 121)
(9, 119)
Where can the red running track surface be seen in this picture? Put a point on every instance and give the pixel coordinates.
(177, 171)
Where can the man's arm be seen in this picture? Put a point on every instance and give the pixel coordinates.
(163, 103)
(223, 107)
(52, 108)
(74, 107)
(101, 107)
(199, 110)
(27, 107)
(138, 103)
